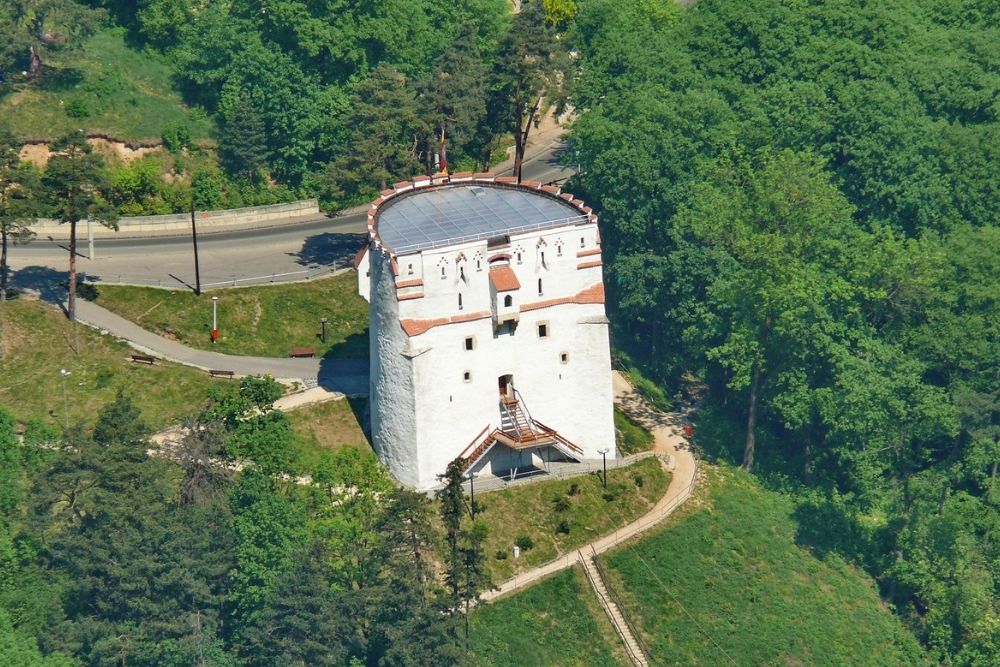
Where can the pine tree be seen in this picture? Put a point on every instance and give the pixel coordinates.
(243, 139)
(73, 180)
(17, 202)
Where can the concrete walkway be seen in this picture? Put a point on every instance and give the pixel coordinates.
(668, 439)
(343, 376)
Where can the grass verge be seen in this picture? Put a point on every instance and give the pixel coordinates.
(256, 321)
(558, 516)
(555, 622)
(123, 92)
(630, 437)
(36, 341)
(728, 579)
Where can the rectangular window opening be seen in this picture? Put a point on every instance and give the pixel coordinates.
(470, 344)
(543, 330)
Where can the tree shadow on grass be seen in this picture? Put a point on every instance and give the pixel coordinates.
(49, 284)
(60, 79)
(327, 248)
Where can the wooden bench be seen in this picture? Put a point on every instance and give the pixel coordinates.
(222, 374)
(298, 352)
(143, 359)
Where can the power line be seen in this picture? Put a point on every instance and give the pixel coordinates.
(679, 604)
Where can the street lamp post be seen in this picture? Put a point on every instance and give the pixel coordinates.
(323, 321)
(215, 318)
(604, 456)
(65, 374)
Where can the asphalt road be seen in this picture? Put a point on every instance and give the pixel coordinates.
(291, 252)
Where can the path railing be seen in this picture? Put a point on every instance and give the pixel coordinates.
(607, 542)
(233, 281)
(610, 589)
(560, 470)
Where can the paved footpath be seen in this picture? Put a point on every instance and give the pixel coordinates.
(668, 440)
(344, 376)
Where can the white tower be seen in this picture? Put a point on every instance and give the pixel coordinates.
(489, 340)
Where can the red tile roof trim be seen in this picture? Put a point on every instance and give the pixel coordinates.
(593, 294)
(504, 279)
(588, 253)
(408, 297)
(415, 282)
(417, 327)
(589, 265)
(360, 255)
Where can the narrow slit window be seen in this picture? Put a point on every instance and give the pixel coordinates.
(442, 272)
(539, 287)
(583, 242)
(518, 257)
(460, 302)
(409, 269)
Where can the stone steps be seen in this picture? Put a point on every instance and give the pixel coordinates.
(632, 647)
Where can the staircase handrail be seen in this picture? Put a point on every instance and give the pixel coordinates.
(555, 434)
(524, 407)
(606, 604)
(504, 409)
(602, 573)
(474, 442)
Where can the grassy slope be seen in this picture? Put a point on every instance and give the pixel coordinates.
(329, 426)
(631, 437)
(129, 93)
(36, 341)
(733, 562)
(555, 622)
(529, 510)
(257, 321)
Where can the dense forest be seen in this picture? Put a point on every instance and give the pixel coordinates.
(310, 99)
(800, 208)
(111, 556)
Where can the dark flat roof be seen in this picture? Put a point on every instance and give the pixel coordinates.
(435, 217)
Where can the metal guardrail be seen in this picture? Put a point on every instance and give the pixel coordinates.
(571, 470)
(602, 573)
(484, 236)
(172, 283)
(606, 604)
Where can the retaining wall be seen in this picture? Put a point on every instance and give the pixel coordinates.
(208, 221)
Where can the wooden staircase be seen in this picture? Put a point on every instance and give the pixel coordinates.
(517, 431)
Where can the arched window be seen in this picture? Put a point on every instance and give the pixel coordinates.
(460, 302)
(508, 301)
(539, 287)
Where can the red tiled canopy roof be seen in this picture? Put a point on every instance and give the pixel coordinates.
(503, 278)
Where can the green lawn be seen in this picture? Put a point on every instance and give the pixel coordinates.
(727, 578)
(555, 622)
(128, 93)
(630, 436)
(36, 341)
(329, 426)
(255, 321)
(537, 510)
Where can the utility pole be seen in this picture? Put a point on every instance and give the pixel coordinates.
(90, 237)
(194, 238)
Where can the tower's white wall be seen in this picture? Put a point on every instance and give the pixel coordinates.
(391, 402)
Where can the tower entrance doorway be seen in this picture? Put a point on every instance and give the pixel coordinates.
(506, 383)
